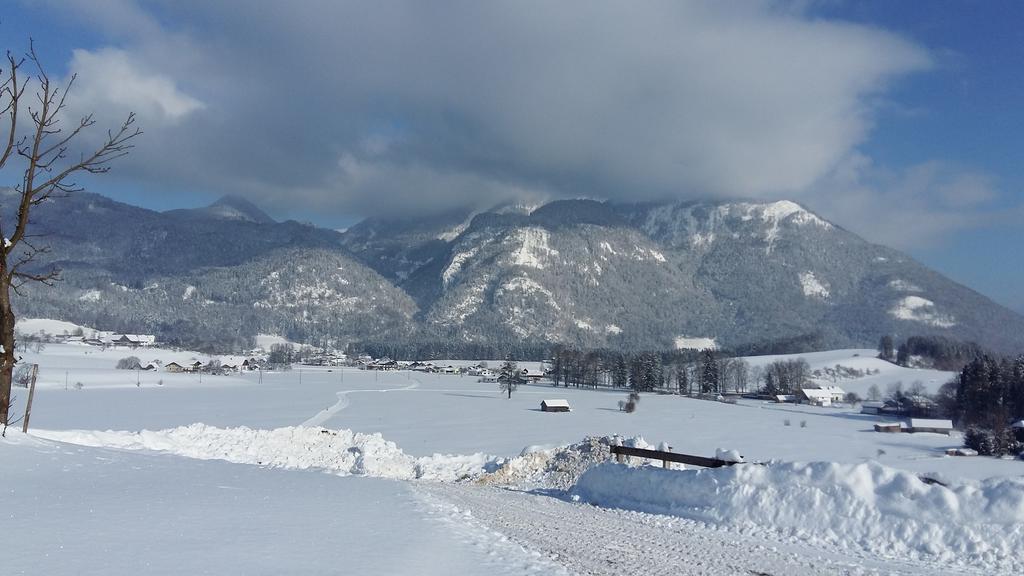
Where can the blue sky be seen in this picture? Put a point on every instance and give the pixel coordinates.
(900, 121)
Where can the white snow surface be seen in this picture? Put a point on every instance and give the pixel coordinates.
(903, 286)
(695, 343)
(534, 250)
(918, 309)
(812, 287)
(864, 506)
(151, 465)
(81, 511)
(458, 259)
(47, 326)
(265, 341)
(342, 452)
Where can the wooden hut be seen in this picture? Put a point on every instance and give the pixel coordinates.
(558, 405)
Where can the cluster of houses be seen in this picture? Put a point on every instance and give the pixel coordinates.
(327, 358)
(200, 368)
(214, 367)
(105, 339)
(481, 371)
(914, 405)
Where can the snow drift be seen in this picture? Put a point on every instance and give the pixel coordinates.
(338, 451)
(853, 506)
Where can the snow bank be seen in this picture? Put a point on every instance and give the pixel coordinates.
(339, 451)
(560, 467)
(854, 506)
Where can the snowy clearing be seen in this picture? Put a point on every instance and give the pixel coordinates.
(224, 455)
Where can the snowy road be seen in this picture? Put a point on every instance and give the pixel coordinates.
(596, 541)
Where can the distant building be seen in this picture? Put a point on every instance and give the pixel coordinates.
(816, 396)
(872, 407)
(532, 375)
(173, 367)
(559, 405)
(930, 425)
(890, 427)
(130, 340)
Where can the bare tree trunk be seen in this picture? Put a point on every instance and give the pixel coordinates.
(7, 358)
(49, 167)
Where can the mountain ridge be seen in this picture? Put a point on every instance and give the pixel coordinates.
(584, 272)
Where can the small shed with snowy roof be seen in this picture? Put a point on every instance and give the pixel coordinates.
(558, 405)
(930, 425)
(890, 427)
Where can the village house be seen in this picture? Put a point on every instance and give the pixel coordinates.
(815, 397)
(130, 340)
(174, 367)
(531, 375)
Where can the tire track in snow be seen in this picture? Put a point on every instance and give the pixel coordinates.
(343, 402)
(586, 539)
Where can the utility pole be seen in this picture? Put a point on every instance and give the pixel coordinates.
(31, 394)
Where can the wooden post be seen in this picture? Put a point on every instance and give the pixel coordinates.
(665, 463)
(31, 393)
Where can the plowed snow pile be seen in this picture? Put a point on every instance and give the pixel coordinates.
(558, 468)
(339, 451)
(853, 506)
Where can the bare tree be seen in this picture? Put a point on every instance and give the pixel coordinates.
(44, 148)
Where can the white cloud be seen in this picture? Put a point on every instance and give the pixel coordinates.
(913, 207)
(109, 79)
(480, 99)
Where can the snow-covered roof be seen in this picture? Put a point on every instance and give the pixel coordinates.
(556, 403)
(873, 404)
(529, 372)
(930, 423)
(816, 393)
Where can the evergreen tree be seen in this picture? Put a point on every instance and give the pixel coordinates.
(509, 376)
(682, 378)
(620, 372)
(903, 355)
(636, 373)
(885, 348)
(709, 381)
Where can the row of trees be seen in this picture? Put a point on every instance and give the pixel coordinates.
(941, 353)
(680, 372)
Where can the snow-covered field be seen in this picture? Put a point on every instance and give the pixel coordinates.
(157, 473)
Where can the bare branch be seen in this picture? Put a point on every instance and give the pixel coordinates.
(13, 91)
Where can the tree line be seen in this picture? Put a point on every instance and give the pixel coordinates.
(689, 372)
(986, 397)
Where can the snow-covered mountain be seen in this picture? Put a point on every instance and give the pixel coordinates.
(687, 274)
(682, 274)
